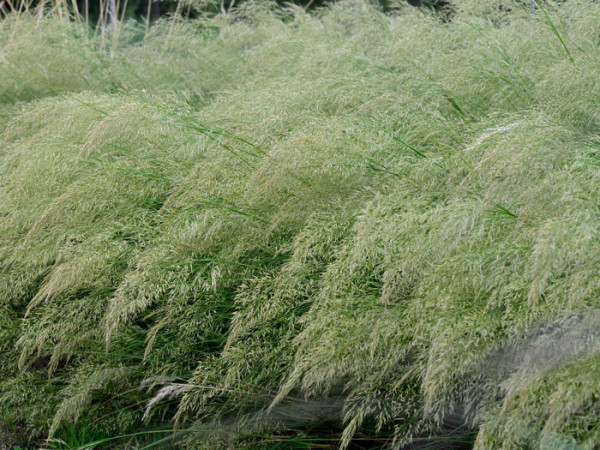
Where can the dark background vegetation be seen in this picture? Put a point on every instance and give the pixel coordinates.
(154, 9)
(139, 8)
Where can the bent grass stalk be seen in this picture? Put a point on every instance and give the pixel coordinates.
(307, 245)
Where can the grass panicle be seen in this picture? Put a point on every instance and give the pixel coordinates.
(275, 227)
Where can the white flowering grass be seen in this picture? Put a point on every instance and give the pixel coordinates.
(303, 227)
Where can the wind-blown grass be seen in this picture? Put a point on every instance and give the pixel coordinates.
(271, 224)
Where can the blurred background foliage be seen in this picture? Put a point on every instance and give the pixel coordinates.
(151, 10)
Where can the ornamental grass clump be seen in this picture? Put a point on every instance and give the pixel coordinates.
(275, 227)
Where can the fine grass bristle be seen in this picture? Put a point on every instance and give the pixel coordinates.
(278, 227)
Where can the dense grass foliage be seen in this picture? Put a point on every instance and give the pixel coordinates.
(273, 226)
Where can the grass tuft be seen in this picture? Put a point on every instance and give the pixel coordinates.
(272, 227)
